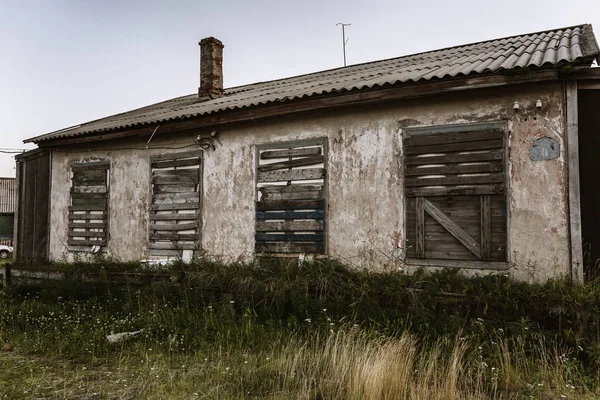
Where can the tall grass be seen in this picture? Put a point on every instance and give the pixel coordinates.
(316, 331)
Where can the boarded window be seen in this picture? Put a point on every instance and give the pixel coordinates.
(175, 209)
(88, 222)
(455, 193)
(290, 206)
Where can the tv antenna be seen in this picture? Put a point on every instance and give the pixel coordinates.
(344, 40)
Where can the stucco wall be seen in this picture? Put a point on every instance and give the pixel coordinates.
(365, 204)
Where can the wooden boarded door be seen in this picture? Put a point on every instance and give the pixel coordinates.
(33, 205)
(455, 193)
(291, 203)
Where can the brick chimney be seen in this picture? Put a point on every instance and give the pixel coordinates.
(211, 68)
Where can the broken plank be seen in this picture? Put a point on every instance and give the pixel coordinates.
(290, 237)
(446, 148)
(496, 166)
(174, 236)
(455, 230)
(272, 154)
(456, 157)
(89, 189)
(301, 162)
(317, 214)
(289, 226)
(291, 175)
(288, 247)
(456, 180)
(291, 195)
(454, 190)
(289, 204)
(289, 188)
(175, 206)
(174, 227)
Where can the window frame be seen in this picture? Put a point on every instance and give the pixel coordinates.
(174, 160)
(283, 145)
(500, 125)
(74, 245)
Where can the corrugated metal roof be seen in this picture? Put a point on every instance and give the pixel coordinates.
(573, 45)
(8, 195)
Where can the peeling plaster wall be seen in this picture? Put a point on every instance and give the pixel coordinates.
(365, 202)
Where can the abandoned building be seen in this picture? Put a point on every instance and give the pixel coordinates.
(8, 202)
(479, 156)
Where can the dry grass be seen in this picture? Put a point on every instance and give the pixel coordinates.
(347, 364)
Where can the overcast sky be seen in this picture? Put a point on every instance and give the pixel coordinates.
(65, 62)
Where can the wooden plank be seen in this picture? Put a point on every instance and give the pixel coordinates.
(166, 197)
(172, 246)
(475, 264)
(99, 207)
(292, 195)
(175, 180)
(420, 228)
(175, 206)
(455, 190)
(486, 227)
(450, 147)
(496, 166)
(87, 234)
(98, 216)
(178, 188)
(174, 227)
(289, 226)
(317, 214)
(288, 247)
(289, 188)
(572, 127)
(290, 237)
(75, 242)
(490, 155)
(301, 162)
(170, 217)
(89, 189)
(291, 175)
(175, 173)
(454, 137)
(103, 165)
(176, 156)
(176, 163)
(174, 236)
(89, 225)
(272, 154)
(289, 205)
(453, 228)
(455, 180)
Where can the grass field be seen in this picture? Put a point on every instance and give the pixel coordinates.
(294, 333)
